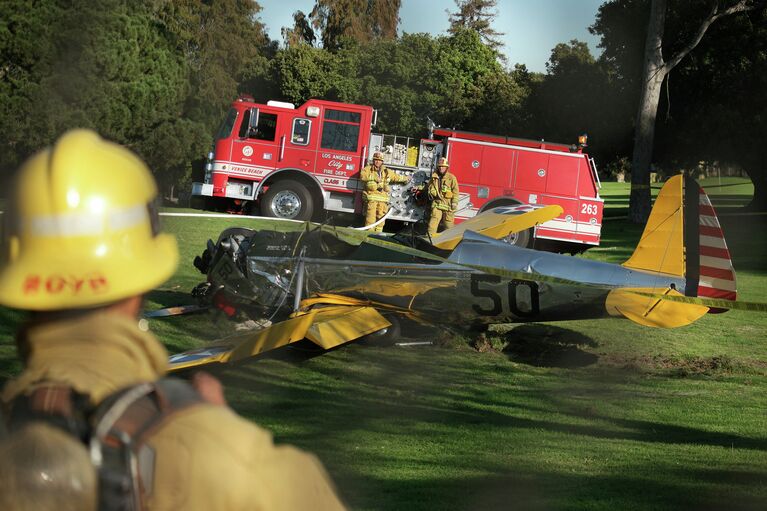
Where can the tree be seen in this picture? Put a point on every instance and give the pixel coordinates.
(576, 96)
(720, 94)
(222, 43)
(655, 70)
(303, 72)
(301, 33)
(155, 76)
(27, 55)
(360, 20)
(476, 15)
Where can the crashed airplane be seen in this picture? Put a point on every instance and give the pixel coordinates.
(332, 285)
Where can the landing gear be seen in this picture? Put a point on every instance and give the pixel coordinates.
(386, 336)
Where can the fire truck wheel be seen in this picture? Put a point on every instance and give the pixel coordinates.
(287, 199)
(519, 239)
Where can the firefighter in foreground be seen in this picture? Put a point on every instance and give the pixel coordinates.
(82, 246)
(443, 194)
(377, 179)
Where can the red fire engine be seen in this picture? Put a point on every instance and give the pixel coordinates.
(282, 161)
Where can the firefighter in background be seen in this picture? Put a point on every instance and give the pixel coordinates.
(377, 179)
(443, 194)
(81, 248)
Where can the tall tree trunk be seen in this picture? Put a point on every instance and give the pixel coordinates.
(759, 202)
(653, 74)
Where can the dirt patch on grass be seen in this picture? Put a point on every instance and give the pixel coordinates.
(549, 346)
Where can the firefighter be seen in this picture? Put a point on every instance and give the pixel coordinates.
(377, 179)
(82, 246)
(443, 194)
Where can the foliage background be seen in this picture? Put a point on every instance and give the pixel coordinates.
(157, 76)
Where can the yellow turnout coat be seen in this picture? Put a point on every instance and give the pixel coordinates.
(206, 456)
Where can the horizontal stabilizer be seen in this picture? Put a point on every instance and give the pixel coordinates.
(496, 224)
(652, 311)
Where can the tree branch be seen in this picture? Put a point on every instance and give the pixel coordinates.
(741, 6)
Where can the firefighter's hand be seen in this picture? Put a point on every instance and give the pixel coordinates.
(209, 388)
(448, 194)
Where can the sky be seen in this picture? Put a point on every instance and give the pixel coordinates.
(531, 27)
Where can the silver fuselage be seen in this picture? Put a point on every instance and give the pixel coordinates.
(545, 286)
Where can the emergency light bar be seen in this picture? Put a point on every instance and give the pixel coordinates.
(280, 104)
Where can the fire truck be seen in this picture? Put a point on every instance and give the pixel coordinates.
(278, 160)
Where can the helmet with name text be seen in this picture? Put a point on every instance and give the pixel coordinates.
(81, 229)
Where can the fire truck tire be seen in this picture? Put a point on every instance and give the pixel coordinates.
(519, 239)
(287, 199)
(522, 239)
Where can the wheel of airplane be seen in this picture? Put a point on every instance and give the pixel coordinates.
(386, 336)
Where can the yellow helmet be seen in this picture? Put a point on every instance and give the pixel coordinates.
(442, 162)
(81, 229)
(378, 155)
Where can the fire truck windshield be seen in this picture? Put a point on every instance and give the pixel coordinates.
(225, 130)
(340, 130)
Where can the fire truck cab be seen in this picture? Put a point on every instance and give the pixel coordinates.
(277, 160)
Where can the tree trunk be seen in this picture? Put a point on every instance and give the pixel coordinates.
(759, 202)
(639, 206)
(653, 74)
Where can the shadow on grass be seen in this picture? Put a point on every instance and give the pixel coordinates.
(378, 396)
(324, 389)
(543, 345)
(535, 490)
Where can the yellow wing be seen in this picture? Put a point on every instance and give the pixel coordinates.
(328, 327)
(496, 225)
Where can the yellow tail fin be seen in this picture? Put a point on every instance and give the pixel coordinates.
(661, 247)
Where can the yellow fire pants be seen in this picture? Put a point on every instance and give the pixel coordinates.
(374, 211)
(446, 217)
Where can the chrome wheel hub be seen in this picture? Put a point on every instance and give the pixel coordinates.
(286, 204)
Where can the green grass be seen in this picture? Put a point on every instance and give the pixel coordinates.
(726, 193)
(574, 415)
